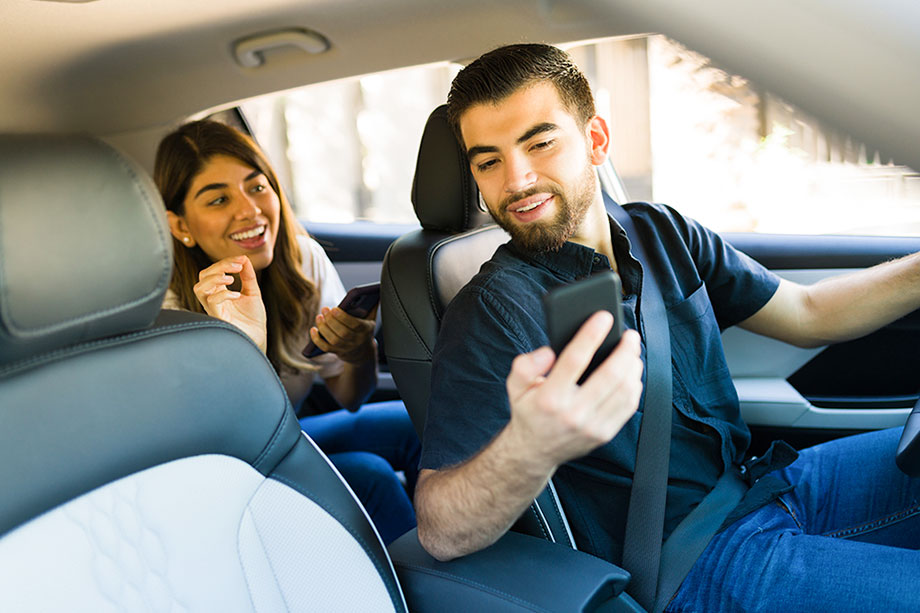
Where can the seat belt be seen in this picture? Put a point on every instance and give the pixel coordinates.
(648, 495)
(693, 533)
(658, 570)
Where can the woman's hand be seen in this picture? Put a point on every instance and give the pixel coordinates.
(351, 338)
(244, 309)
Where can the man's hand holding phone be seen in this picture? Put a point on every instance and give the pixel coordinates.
(569, 306)
(560, 413)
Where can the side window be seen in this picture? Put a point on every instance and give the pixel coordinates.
(683, 132)
(734, 156)
(346, 150)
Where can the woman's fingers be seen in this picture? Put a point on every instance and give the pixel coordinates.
(342, 330)
(214, 281)
(223, 267)
(218, 297)
(319, 340)
(249, 283)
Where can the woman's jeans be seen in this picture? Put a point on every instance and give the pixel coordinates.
(367, 447)
(844, 539)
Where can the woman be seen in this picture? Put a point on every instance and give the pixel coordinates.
(241, 256)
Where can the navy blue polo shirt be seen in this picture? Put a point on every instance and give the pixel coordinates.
(707, 286)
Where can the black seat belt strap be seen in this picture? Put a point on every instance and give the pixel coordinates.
(693, 533)
(645, 515)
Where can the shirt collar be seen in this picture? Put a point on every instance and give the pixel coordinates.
(574, 261)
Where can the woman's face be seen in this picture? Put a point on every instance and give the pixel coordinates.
(230, 210)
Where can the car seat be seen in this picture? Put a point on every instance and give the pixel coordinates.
(423, 270)
(150, 460)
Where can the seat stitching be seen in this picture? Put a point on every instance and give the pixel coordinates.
(122, 339)
(404, 314)
(161, 282)
(383, 572)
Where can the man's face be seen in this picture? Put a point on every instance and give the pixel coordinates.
(533, 163)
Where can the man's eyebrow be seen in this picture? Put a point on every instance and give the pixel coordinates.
(478, 149)
(540, 128)
(250, 176)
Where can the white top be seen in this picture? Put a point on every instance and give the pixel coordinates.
(318, 268)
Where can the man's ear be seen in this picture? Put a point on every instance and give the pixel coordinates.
(599, 139)
(179, 229)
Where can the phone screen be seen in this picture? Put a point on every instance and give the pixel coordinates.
(568, 306)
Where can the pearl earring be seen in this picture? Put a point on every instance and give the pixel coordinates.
(185, 239)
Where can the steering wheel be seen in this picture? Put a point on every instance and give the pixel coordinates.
(908, 455)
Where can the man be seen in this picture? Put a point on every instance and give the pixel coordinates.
(525, 116)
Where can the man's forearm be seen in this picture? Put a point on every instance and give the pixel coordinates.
(840, 308)
(854, 305)
(469, 506)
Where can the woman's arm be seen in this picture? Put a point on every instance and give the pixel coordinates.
(352, 340)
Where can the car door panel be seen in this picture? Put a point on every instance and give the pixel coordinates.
(864, 384)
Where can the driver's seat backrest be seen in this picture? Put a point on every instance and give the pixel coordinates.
(150, 460)
(424, 270)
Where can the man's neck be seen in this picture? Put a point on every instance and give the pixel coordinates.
(594, 230)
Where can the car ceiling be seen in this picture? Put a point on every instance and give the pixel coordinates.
(114, 66)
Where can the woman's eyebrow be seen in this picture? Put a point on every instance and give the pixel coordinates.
(210, 186)
(249, 177)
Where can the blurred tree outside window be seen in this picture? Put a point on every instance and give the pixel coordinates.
(683, 132)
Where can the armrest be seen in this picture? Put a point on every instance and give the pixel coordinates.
(517, 573)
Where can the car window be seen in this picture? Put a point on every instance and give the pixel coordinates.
(683, 132)
(346, 149)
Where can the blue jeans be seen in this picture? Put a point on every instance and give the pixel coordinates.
(844, 539)
(367, 447)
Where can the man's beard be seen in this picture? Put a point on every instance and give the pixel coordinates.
(550, 235)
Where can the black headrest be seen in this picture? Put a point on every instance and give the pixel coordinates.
(84, 246)
(444, 193)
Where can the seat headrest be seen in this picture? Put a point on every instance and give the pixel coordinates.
(84, 246)
(444, 193)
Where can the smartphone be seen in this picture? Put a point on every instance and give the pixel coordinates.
(358, 302)
(568, 306)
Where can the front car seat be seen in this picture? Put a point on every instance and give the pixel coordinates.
(423, 270)
(149, 460)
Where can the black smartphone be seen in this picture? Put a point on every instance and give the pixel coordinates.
(568, 306)
(358, 302)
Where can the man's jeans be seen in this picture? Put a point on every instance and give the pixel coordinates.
(843, 540)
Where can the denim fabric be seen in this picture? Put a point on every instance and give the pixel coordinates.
(706, 284)
(844, 539)
(367, 447)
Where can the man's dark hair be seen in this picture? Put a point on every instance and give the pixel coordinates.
(503, 71)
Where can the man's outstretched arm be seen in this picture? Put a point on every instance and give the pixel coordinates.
(464, 508)
(840, 308)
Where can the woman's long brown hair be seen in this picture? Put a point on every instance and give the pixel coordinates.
(291, 300)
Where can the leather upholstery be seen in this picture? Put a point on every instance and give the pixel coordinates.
(444, 195)
(101, 389)
(84, 248)
(423, 271)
